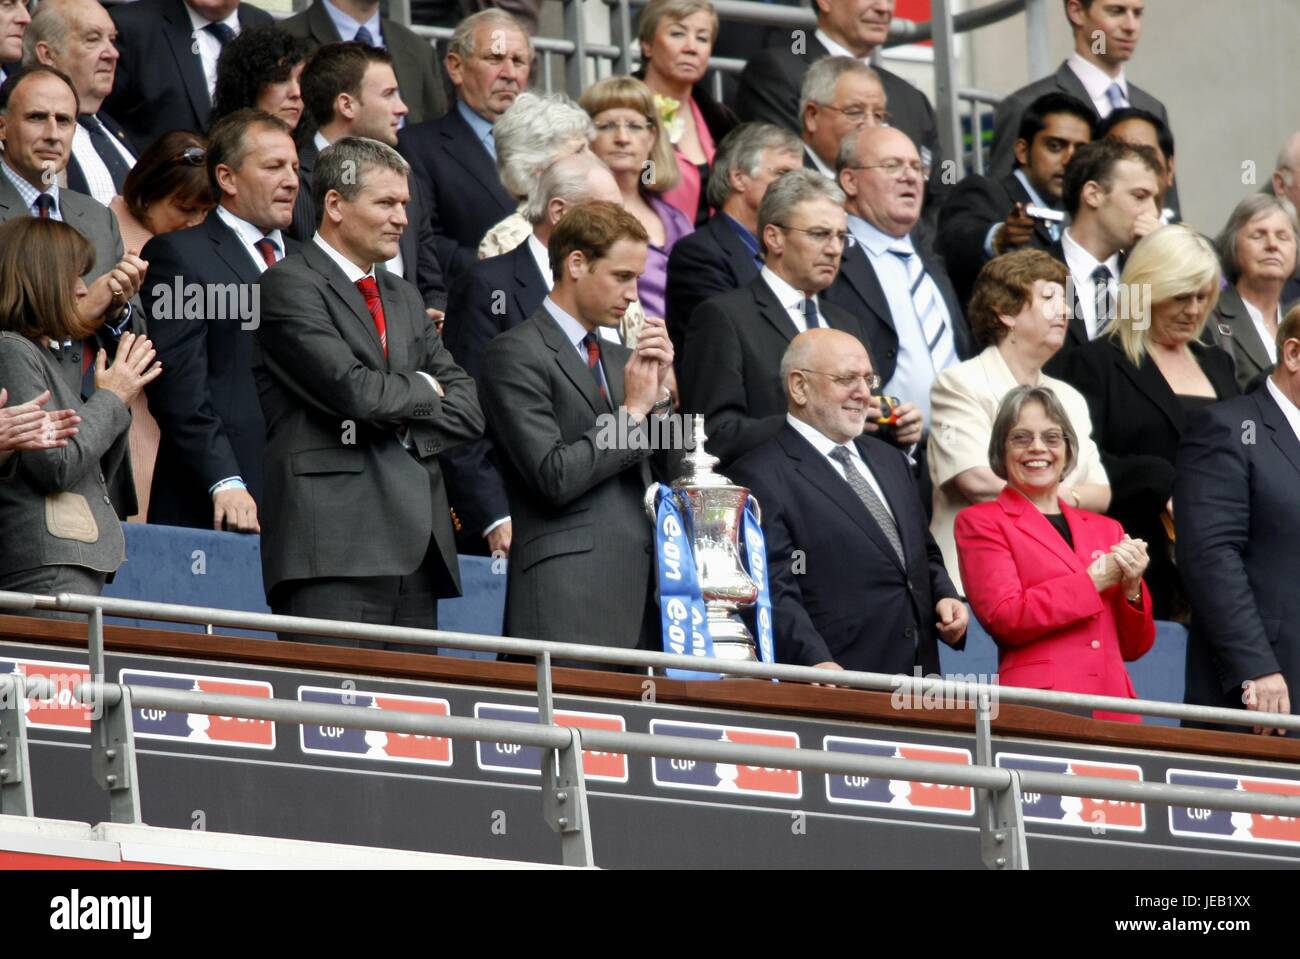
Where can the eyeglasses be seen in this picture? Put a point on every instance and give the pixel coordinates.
(1023, 439)
(846, 381)
(630, 127)
(822, 236)
(862, 116)
(194, 156)
(895, 168)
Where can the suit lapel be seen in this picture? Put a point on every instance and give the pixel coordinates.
(574, 369)
(464, 147)
(180, 37)
(1242, 328)
(402, 336)
(1070, 83)
(771, 309)
(230, 249)
(896, 499)
(1283, 436)
(861, 275)
(348, 293)
(741, 260)
(1149, 380)
(1034, 524)
(1018, 194)
(320, 24)
(530, 285)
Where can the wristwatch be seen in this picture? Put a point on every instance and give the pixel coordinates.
(664, 404)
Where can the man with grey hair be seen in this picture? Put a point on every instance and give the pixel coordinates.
(77, 37)
(360, 398)
(359, 21)
(14, 20)
(495, 295)
(1286, 183)
(839, 95)
(819, 470)
(723, 254)
(735, 341)
(489, 60)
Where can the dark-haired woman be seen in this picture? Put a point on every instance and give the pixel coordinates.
(61, 533)
(261, 68)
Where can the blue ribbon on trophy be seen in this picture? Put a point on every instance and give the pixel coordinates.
(682, 614)
(756, 555)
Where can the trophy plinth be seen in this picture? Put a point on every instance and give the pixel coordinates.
(714, 509)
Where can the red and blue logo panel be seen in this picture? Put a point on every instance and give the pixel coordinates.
(517, 758)
(1235, 826)
(60, 709)
(199, 727)
(899, 793)
(724, 777)
(374, 743)
(1099, 815)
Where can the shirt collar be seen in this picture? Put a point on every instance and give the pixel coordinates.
(246, 231)
(574, 330)
(1029, 188)
(820, 441)
(1094, 79)
(1081, 262)
(875, 240)
(835, 49)
(350, 269)
(786, 295)
(482, 127)
(28, 192)
(347, 27)
(1289, 409)
(742, 231)
(198, 21)
(543, 258)
(822, 168)
(318, 140)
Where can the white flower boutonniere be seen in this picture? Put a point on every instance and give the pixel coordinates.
(670, 117)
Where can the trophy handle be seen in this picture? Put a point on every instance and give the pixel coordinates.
(758, 509)
(651, 503)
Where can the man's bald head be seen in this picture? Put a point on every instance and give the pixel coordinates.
(79, 38)
(880, 170)
(826, 374)
(1286, 177)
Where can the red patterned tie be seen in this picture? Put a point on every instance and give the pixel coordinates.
(592, 343)
(266, 246)
(370, 290)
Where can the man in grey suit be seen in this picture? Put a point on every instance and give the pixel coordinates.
(414, 61)
(360, 397)
(580, 567)
(1106, 34)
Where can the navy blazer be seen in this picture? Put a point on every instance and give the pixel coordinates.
(76, 178)
(159, 84)
(206, 400)
(1237, 507)
(850, 600)
(709, 262)
(494, 295)
(459, 180)
(857, 289)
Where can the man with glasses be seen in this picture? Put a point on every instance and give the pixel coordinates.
(734, 342)
(897, 289)
(840, 95)
(454, 157)
(857, 581)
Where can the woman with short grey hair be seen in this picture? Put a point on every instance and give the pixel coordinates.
(1258, 250)
(530, 136)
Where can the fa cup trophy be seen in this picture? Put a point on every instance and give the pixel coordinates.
(703, 583)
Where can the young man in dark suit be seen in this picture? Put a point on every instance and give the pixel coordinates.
(723, 254)
(495, 295)
(167, 68)
(872, 593)
(454, 157)
(329, 21)
(731, 373)
(201, 302)
(1237, 515)
(360, 397)
(986, 216)
(567, 413)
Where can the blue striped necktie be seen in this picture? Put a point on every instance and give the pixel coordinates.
(925, 301)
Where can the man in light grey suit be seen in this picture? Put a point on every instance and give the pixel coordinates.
(580, 560)
(360, 397)
(38, 115)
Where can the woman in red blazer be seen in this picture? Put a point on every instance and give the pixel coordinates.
(1059, 589)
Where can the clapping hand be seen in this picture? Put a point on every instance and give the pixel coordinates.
(1132, 560)
(29, 427)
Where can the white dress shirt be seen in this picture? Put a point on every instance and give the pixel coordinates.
(210, 46)
(542, 258)
(1289, 409)
(822, 168)
(824, 445)
(1081, 264)
(1096, 82)
(249, 235)
(1267, 337)
(99, 182)
(791, 299)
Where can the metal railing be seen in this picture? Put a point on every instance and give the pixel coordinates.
(998, 792)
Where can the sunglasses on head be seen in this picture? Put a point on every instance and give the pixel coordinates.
(194, 156)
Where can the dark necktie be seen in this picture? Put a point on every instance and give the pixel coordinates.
(592, 342)
(811, 318)
(266, 246)
(364, 36)
(1101, 278)
(370, 290)
(870, 500)
(222, 31)
(44, 205)
(111, 155)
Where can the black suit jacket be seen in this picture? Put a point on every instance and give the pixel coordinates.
(857, 289)
(419, 253)
(769, 91)
(76, 178)
(709, 262)
(851, 600)
(459, 180)
(1137, 423)
(159, 85)
(414, 61)
(206, 401)
(1006, 118)
(494, 295)
(1238, 517)
(344, 496)
(975, 205)
(732, 372)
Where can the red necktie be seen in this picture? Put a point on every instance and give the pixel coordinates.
(44, 205)
(592, 343)
(266, 246)
(370, 290)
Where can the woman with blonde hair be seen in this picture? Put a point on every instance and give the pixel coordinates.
(1143, 378)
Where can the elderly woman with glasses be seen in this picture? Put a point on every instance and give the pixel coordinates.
(1258, 250)
(1059, 589)
(1018, 313)
(637, 152)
